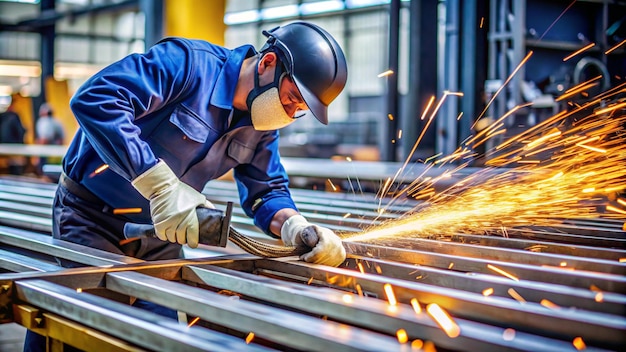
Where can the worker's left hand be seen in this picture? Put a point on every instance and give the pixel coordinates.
(326, 246)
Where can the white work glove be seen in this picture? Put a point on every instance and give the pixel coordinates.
(172, 204)
(326, 245)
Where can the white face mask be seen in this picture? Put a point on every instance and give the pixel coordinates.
(268, 112)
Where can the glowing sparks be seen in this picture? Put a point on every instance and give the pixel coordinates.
(548, 304)
(562, 171)
(332, 185)
(599, 297)
(584, 48)
(516, 295)
(488, 292)
(430, 102)
(385, 74)
(347, 298)
(249, 338)
(79, 290)
(390, 117)
(416, 305)
(616, 210)
(615, 47)
(391, 297)
(443, 319)
(195, 320)
(402, 336)
(360, 266)
(502, 272)
(579, 344)
(127, 211)
(101, 168)
(622, 260)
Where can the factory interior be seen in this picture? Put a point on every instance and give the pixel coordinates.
(473, 168)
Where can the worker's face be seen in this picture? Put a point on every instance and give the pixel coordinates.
(290, 98)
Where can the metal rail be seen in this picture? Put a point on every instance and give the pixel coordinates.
(563, 289)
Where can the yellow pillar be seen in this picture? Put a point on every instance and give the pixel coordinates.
(58, 96)
(197, 19)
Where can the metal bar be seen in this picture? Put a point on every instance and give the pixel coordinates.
(364, 311)
(137, 326)
(532, 291)
(603, 330)
(504, 254)
(287, 328)
(62, 249)
(14, 262)
(555, 275)
(69, 332)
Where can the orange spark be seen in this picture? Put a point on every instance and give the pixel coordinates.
(195, 320)
(127, 211)
(548, 304)
(615, 47)
(586, 47)
(430, 102)
(402, 336)
(386, 73)
(101, 168)
(502, 272)
(249, 338)
(516, 295)
(360, 266)
(391, 297)
(443, 319)
(488, 292)
(416, 305)
(599, 297)
(332, 185)
(579, 343)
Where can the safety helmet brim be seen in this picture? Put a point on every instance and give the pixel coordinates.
(316, 107)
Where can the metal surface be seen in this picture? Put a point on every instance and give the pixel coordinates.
(568, 286)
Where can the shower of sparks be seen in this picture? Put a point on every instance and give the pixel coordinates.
(568, 166)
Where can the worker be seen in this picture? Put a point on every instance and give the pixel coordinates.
(156, 127)
(49, 130)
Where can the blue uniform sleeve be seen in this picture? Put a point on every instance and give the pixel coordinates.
(263, 184)
(107, 105)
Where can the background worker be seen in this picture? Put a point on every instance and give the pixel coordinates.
(156, 127)
(48, 130)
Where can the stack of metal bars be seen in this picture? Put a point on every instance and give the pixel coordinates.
(561, 290)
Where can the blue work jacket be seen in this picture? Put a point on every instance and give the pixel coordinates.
(174, 103)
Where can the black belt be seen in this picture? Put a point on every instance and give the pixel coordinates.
(76, 189)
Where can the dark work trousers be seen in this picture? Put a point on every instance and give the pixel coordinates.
(80, 217)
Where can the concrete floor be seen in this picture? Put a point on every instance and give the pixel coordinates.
(12, 337)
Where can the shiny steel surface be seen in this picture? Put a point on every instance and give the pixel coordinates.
(569, 283)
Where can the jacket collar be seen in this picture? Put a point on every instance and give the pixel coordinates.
(226, 82)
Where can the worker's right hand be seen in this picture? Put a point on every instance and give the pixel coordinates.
(172, 204)
(326, 246)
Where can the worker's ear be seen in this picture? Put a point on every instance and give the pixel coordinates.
(267, 61)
